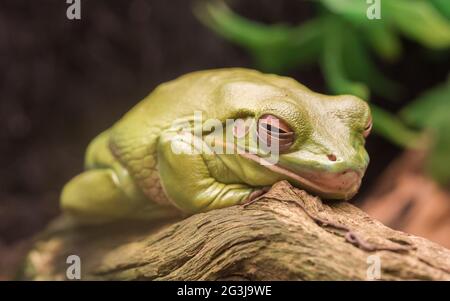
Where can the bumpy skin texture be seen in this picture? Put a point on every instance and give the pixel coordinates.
(132, 172)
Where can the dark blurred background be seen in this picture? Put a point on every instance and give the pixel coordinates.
(63, 81)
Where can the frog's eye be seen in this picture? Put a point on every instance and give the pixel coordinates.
(368, 128)
(272, 129)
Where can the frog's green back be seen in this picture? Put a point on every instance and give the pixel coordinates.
(209, 92)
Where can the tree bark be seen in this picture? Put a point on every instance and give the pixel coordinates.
(285, 235)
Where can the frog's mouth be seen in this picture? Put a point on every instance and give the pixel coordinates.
(330, 185)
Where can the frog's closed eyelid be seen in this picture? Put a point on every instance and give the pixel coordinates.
(275, 124)
(273, 129)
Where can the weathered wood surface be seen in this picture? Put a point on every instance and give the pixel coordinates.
(271, 239)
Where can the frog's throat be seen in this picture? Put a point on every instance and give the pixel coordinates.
(330, 185)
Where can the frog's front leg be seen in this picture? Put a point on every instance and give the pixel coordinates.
(187, 180)
(100, 195)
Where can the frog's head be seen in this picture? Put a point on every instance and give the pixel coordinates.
(320, 138)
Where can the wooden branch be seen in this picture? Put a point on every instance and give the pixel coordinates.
(271, 239)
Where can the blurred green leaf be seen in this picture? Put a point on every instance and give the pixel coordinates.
(332, 63)
(237, 29)
(360, 67)
(420, 21)
(301, 46)
(275, 47)
(431, 111)
(443, 6)
(383, 39)
(391, 127)
(437, 161)
(352, 10)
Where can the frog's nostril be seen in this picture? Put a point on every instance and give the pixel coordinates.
(331, 157)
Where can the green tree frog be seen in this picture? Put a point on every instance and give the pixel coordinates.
(132, 170)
